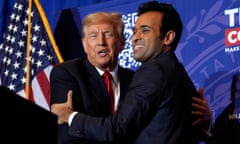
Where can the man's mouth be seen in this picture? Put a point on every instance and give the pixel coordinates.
(137, 47)
(103, 52)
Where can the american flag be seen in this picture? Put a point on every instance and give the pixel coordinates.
(28, 50)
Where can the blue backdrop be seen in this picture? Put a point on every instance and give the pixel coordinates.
(50, 7)
(209, 48)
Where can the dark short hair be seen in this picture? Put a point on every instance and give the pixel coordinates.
(171, 18)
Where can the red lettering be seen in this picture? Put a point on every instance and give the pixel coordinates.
(232, 36)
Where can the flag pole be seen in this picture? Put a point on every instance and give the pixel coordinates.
(28, 49)
(49, 32)
(51, 38)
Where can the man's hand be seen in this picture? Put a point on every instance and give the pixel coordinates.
(63, 110)
(201, 110)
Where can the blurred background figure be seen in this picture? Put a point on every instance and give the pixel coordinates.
(227, 125)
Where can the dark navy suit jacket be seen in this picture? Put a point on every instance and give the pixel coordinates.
(89, 92)
(155, 110)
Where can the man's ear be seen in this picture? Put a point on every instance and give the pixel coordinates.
(122, 44)
(169, 37)
(84, 45)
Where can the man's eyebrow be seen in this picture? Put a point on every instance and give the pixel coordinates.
(142, 26)
(145, 26)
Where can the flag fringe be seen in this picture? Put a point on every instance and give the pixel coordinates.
(28, 51)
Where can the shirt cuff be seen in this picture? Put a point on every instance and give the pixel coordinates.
(208, 132)
(71, 118)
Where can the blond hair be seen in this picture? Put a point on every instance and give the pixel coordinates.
(113, 18)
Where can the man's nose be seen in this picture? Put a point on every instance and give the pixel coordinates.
(101, 40)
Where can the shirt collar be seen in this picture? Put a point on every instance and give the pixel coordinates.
(113, 73)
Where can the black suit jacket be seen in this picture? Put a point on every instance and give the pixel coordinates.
(227, 126)
(156, 109)
(89, 92)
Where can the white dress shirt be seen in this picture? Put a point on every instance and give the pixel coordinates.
(115, 86)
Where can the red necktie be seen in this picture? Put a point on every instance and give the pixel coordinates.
(107, 80)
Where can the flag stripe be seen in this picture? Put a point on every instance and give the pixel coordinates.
(44, 85)
(30, 95)
(39, 97)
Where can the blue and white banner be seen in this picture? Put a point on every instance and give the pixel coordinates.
(209, 48)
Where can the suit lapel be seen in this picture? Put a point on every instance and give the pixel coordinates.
(125, 77)
(96, 85)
